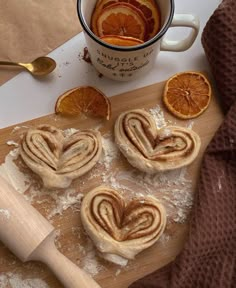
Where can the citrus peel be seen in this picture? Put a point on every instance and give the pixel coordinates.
(187, 94)
(85, 100)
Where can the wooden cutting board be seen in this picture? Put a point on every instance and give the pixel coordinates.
(70, 243)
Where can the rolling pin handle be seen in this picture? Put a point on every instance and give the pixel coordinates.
(70, 275)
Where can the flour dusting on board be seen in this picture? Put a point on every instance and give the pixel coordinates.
(173, 189)
(16, 281)
(68, 199)
(158, 116)
(10, 172)
(91, 262)
(110, 151)
(5, 214)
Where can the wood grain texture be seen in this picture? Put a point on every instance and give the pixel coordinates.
(150, 259)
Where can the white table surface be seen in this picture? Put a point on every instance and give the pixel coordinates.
(24, 97)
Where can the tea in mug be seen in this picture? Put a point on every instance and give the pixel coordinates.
(126, 22)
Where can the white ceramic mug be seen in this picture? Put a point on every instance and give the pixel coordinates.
(128, 63)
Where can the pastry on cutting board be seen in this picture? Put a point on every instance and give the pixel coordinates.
(121, 229)
(150, 149)
(58, 159)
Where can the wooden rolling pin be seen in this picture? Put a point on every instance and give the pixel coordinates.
(31, 237)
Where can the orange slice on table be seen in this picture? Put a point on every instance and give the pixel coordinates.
(122, 19)
(85, 100)
(121, 40)
(148, 8)
(187, 94)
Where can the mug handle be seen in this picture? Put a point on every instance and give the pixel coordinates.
(182, 20)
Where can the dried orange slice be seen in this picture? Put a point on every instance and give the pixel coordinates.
(100, 5)
(121, 40)
(149, 9)
(85, 100)
(187, 94)
(122, 19)
(151, 13)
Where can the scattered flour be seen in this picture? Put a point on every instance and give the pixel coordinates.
(5, 214)
(173, 189)
(158, 116)
(68, 132)
(12, 143)
(90, 263)
(190, 124)
(110, 150)
(57, 241)
(65, 201)
(12, 280)
(164, 238)
(10, 171)
(17, 128)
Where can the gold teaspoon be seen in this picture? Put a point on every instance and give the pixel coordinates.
(39, 67)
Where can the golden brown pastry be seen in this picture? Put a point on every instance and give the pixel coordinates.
(150, 149)
(121, 230)
(58, 159)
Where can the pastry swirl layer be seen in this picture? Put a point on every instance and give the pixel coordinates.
(150, 149)
(121, 230)
(58, 159)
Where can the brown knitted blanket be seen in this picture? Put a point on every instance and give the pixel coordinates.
(208, 259)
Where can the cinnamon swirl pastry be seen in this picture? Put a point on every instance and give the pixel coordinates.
(150, 149)
(58, 159)
(121, 230)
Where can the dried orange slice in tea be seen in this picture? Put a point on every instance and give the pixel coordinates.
(187, 94)
(151, 13)
(85, 100)
(100, 5)
(122, 19)
(121, 40)
(148, 8)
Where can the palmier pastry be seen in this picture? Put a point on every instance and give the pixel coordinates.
(58, 159)
(150, 149)
(121, 230)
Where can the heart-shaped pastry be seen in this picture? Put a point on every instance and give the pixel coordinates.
(150, 149)
(121, 230)
(58, 159)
